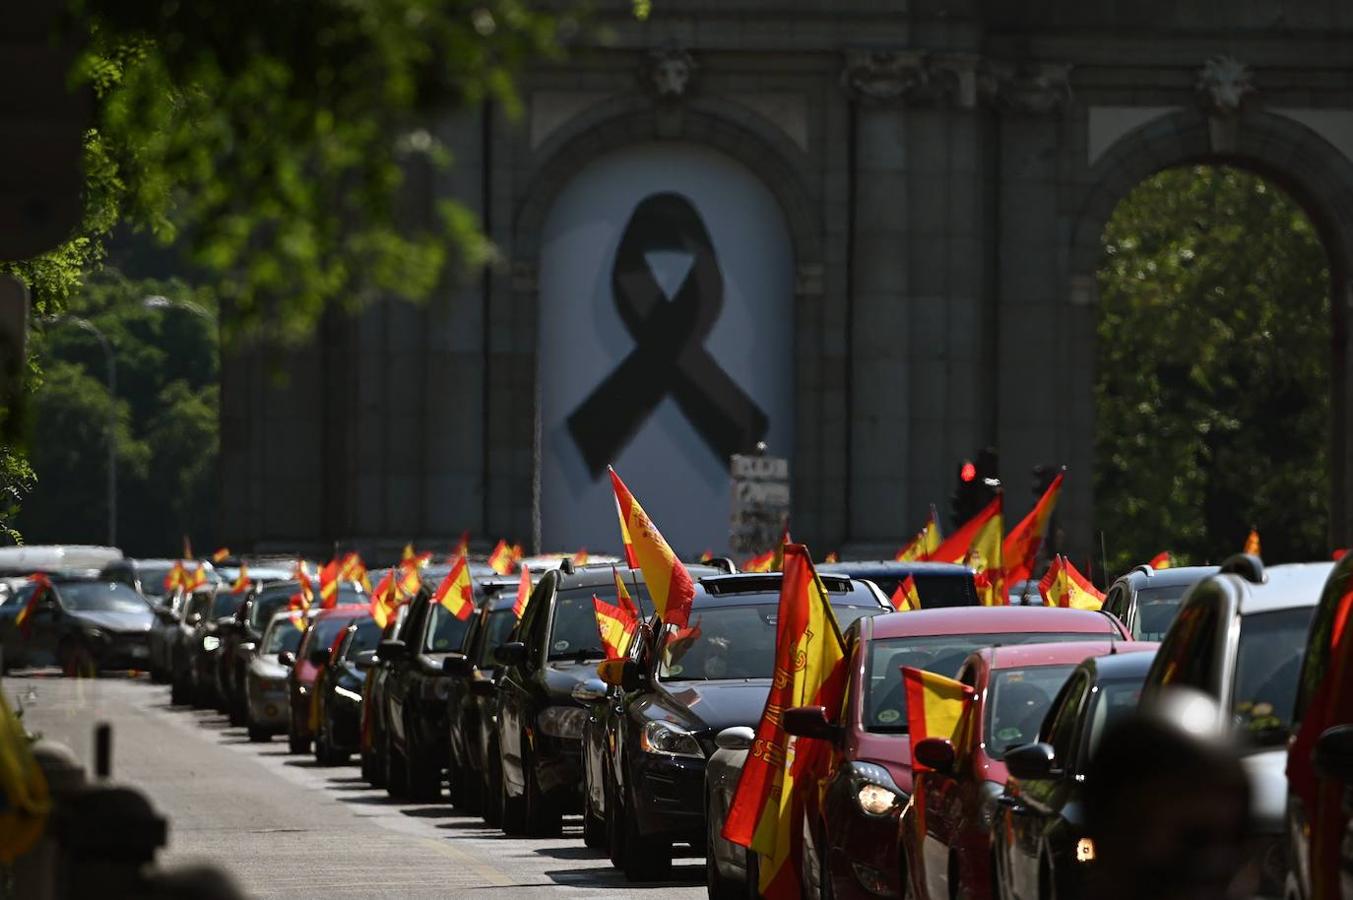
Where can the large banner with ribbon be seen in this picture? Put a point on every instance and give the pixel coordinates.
(666, 340)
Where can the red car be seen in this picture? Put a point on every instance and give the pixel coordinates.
(944, 834)
(869, 781)
(305, 664)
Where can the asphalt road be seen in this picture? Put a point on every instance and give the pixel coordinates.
(284, 827)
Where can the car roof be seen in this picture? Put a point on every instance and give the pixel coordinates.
(1147, 577)
(989, 620)
(50, 557)
(891, 567)
(597, 575)
(1284, 587)
(763, 587)
(1130, 659)
(1052, 653)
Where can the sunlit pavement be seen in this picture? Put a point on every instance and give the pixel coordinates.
(285, 827)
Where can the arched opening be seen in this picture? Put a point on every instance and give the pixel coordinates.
(1215, 368)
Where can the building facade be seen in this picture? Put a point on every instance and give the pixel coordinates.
(864, 232)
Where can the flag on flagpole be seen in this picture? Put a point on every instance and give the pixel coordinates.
(630, 556)
(616, 627)
(977, 544)
(500, 560)
(1065, 586)
(523, 592)
(328, 584)
(1020, 549)
(196, 579)
(177, 577)
(1252, 545)
(669, 584)
(456, 592)
(1161, 560)
(580, 558)
(385, 599)
(25, 801)
(241, 581)
(906, 598)
(771, 798)
(926, 542)
(622, 595)
(935, 705)
(762, 562)
(24, 619)
(831, 557)
(221, 555)
(462, 547)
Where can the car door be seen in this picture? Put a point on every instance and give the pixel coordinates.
(514, 686)
(397, 680)
(1116, 604)
(942, 796)
(1036, 806)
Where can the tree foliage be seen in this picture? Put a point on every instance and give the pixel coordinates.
(1213, 382)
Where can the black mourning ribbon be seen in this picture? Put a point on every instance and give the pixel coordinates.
(669, 356)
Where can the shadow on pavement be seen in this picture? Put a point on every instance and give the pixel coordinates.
(609, 876)
(430, 812)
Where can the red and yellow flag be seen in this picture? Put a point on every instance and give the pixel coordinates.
(705, 557)
(352, 568)
(616, 627)
(195, 579)
(630, 556)
(456, 592)
(906, 598)
(935, 705)
(1020, 549)
(221, 555)
(385, 599)
(669, 584)
(177, 577)
(1161, 560)
(978, 544)
(523, 592)
(517, 553)
(408, 580)
(622, 595)
(762, 562)
(328, 584)
(462, 547)
(241, 581)
(773, 790)
(500, 560)
(926, 542)
(1252, 545)
(24, 620)
(1065, 586)
(831, 557)
(580, 558)
(407, 554)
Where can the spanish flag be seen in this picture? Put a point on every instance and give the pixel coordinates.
(328, 584)
(622, 595)
(1161, 560)
(831, 557)
(385, 598)
(774, 791)
(926, 542)
(221, 555)
(1064, 586)
(517, 553)
(523, 592)
(407, 555)
(762, 562)
(1252, 543)
(935, 705)
(500, 560)
(24, 620)
(241, 581)
(196, 579)
(353, 569)
(177, 577)
(462, 547)
(906, 598)
(456, 592)
(978, 544)
(616, 627)
(408, 581)
(669, 584)
(630, 556)
(1021, 546)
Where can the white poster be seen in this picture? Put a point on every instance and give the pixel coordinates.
(666, 343)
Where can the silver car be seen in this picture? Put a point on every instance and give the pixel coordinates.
(265, 681)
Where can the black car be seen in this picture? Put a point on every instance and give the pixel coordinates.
(1146, 600)
(472, 701)
(84, 625)
(1039, 847)
(647, 745)
(372, 742)
(416, 688)
(338, 692)
(939, 585)
(205, 649)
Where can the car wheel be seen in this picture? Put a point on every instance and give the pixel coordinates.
(644, 858)
(396, 770)
(543, 816)
(466, 790)
(323, 753)
(512, 810)
(490, 792)
(425, 774)
(615, 825)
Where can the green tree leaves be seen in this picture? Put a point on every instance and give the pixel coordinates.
(1213, 381)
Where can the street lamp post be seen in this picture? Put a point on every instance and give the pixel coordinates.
(112, 416)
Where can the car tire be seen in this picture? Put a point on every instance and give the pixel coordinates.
(323, 752)
(544, 818)
(466, 790)
(259, 735)
(511, 810)
(396, 770)
(719, 886)
(615, 826)
(491, 795)
(425, 774)
(644, 858)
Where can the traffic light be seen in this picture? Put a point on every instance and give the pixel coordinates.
(977, 485)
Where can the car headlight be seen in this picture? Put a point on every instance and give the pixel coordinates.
(347, 694)
(875, 792)
(210, 642)
(669, 740)
(562, 722)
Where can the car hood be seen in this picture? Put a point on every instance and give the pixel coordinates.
(560, 678)
(713, 705)
(891, 751)
(1267, 772)
(122, 622)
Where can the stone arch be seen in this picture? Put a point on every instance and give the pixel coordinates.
(1315, 173)
(607, 126)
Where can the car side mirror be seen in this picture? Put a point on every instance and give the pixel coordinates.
(286, 659)
(457, 665)
(811, 722)
(513, 653)
(589, 691)
(936, 754)
(244, 649)
(1030, 760)
(621, 673)
(1333, 753)
(738, 737)
(365, 659)
(391, 649)
(318, 656)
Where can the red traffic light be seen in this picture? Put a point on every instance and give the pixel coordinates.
(968, 471)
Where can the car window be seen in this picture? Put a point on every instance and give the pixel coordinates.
(264, 607)
(101, 596)
(1156, 610)
(573, 627)
(1332, 613)
(282, 635)
(1268, 662)
(445, 632)
(885, 704)
(1060, 731)
(496, 630)
(323, 631)
(366, 635)
(720, 643)
(226, 604)
(1017, 701)
(1115, 699)
(199, 605)
(1188, 654)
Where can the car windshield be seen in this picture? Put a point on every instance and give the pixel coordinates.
(721, 643)
(1156, 609)
(1017, 700)
(323, 632)
(366, 636)
(226, 604)
(497, 628)
(573, 631)
(445, 632)
(885, 705)
(1268, 663)
(264, 607)
(101, 596)
(152, 578)
(1114, 699)
(282, 635)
